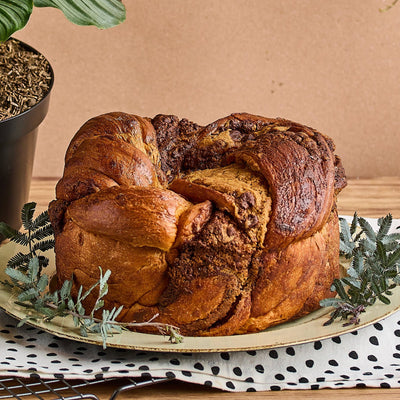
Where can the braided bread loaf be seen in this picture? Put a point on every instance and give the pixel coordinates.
(223, 229)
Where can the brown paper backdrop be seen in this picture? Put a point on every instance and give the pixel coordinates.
(333, 65)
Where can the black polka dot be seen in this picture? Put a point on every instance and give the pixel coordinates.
(303, 380)
(372, 358)
(88, 371)
(186, 373)
(291, 369)
(252, 353)
(170, 375)
(208, 383)
(361, 385)
(374, 340)
(314, 387)
(353, 354)
(290, 351)
(99, 376)
(273, 354)
(345, 376)
(215, 370)
(320, 379)
(237, 371)
(385, 385)
(54, 345)
(389, 376)
(230, 385)
(378, 367)
(32, 355)
(275, 388)
(354, 369)
(337, 339)
(198, 366)
(175, 361)
(378, 326)
(396, 355)
(144, 368)
(310, 363)
(259, 368)
(317, 345)
(328, 371)
(279, 377)
(397, 332)
(249, 380)
(225, 356)
(334, 363)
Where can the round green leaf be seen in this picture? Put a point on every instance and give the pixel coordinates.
(14, 14)
(100, 13)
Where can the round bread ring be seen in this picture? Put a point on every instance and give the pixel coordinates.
(210, 256)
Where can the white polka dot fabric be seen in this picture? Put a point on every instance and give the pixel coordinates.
(369, 357)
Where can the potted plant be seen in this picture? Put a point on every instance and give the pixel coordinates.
(26, 80)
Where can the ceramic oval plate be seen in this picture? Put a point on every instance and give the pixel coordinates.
(306, 329)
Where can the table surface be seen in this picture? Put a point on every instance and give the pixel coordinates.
(369, 197)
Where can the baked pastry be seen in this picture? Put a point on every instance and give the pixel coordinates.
(223, 229)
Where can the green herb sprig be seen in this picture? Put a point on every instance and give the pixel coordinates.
(373, 272)
(31, 285)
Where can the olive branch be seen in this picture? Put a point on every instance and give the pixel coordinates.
(31, 285)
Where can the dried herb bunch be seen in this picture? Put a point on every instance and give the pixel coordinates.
(31, 285)
(373, 272)
(25, 78)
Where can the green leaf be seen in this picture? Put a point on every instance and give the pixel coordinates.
(44, 245)
(381, 252)
(17, 275)
(393, 258)
(41, 220)
(100, 13)
(28, 294)
(27, 215)
(42, 283)
(384, 226)
(340, 289)
(33, 269)
(83, 331)
(354, 224)
(65, 289)
(367, 228)
(19, 260)
(14, 15)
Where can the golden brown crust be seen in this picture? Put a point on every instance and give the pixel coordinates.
(223, 229)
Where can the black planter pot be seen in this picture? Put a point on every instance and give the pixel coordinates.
(17, 150)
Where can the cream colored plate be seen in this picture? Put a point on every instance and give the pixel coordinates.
(303, 330)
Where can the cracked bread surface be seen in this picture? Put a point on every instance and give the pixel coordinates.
(223, 229)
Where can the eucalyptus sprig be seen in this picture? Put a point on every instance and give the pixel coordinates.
(31, 285)
(373, 272)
